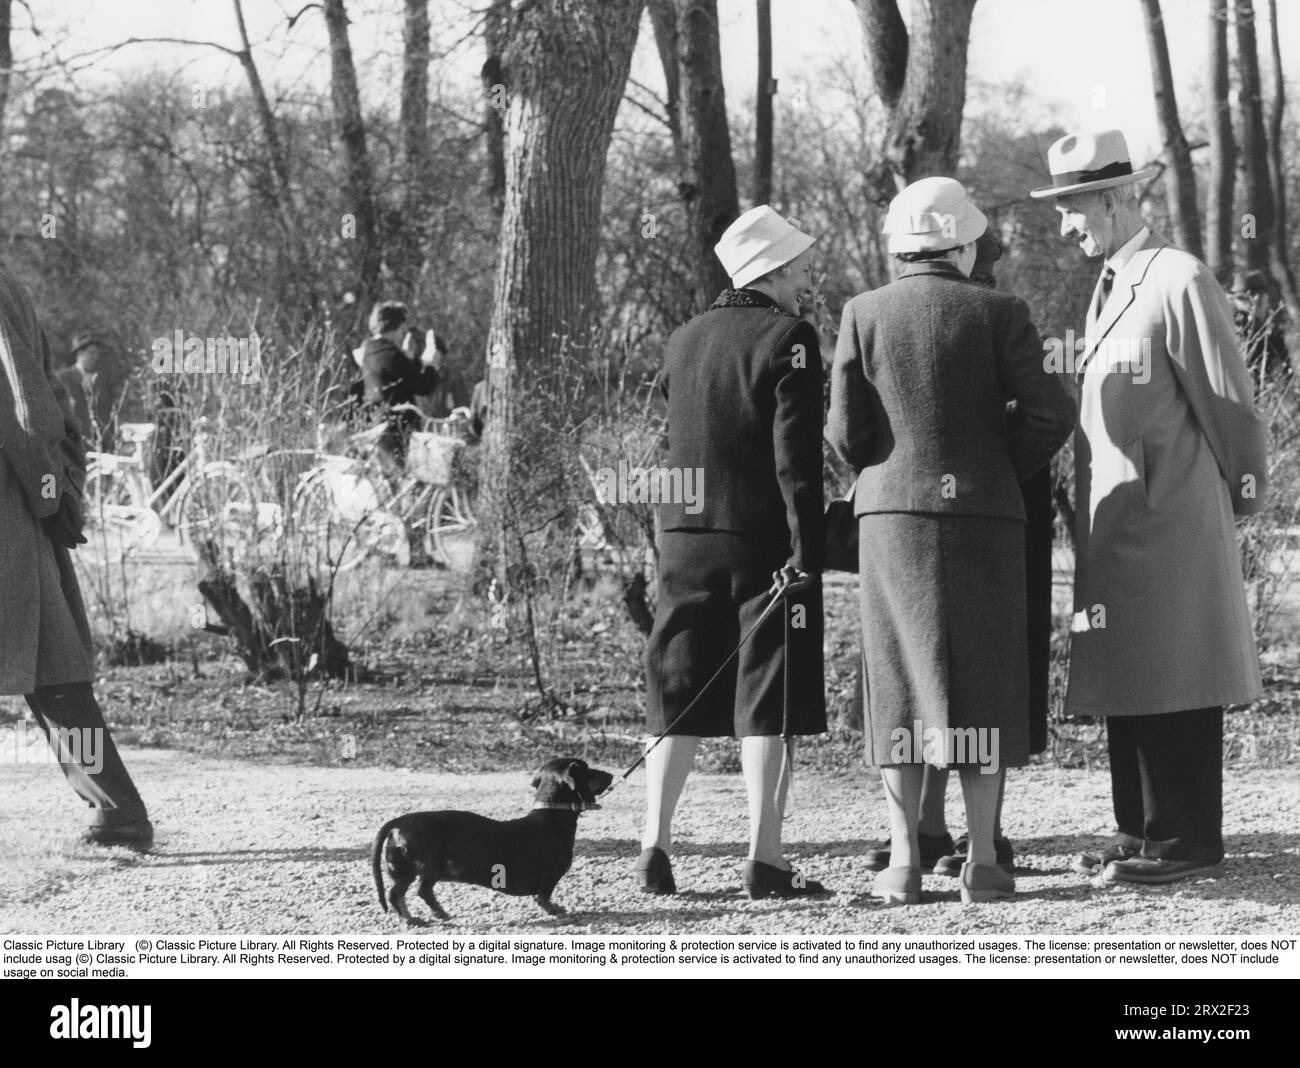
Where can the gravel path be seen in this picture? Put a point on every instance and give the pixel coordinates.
(259, 849)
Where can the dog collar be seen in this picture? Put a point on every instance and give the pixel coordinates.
(566, 806)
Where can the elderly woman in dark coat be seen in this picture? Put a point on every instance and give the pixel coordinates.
(923, 372)
(743, 384)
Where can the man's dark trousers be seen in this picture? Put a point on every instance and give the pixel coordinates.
(1166, 773)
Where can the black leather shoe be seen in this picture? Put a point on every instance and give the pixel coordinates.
(763, 880)
(951, 865)
(1153, 871)
(933, 846)
(654, 871)
(1092, 864)
(137, 835)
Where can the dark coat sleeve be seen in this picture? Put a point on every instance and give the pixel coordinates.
(797, 443)
(1046, 411)
(391, 377)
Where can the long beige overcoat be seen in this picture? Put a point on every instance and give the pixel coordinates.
(1169, 446)
(44, 636)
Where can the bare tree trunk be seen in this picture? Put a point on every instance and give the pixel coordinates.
(408, 256)
(884, 35)
(361, 203)
(6, 61)
(763, 107)
(494, 102)
(266, 118)
(707, 173)
(663, 20)
(1257, 229)
(1183, 211)
(563, 68)
(1219, 217)
(921, 78)
(1277, 176)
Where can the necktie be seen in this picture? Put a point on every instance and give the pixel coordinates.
(1107, 280)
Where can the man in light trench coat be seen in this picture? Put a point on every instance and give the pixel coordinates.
(45, 646)
(1168, 448)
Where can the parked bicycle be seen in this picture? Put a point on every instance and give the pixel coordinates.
(204, 501)
(349, 512)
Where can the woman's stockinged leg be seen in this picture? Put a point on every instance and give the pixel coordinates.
(1002, 793)
(902, 784)
(666, 769)
(762, 760)
(933, 821)
(981, 793)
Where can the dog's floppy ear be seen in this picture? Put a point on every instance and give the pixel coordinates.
(568, 778)
(575, 774)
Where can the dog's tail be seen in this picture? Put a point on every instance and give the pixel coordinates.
(376, 850)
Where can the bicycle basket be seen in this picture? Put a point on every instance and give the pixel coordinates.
(431, 457)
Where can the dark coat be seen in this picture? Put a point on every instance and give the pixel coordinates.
(44, 635)
(1039, 531)
(94, 414)
(391, 376)
(743, 382)
(928, 433)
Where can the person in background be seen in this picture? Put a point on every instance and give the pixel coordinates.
(478, 406)
(393, 381)
(45, 645)
(1259, 328)
(93, 391)
(452, 390)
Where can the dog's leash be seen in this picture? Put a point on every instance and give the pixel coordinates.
(787, 743)
(780, 588)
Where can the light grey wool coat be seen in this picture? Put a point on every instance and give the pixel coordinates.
(1169, 447)
(44, 635)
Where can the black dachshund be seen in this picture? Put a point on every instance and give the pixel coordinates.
(524, 856)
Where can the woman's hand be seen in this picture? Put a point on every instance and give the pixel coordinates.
(790, 580)
(431, 356)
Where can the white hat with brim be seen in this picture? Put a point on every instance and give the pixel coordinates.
(932, 215)
(758, 242)
(1090, 161)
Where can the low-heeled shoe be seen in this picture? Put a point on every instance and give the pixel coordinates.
(933, 847)
(985, 882)
(951, 864)
(1153, 871)
(763, 880)
(134, 834)
(898, 886)
(654, 871)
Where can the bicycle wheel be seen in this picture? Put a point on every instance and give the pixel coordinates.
(342, 524)
(116, 525)
(118, 531)
(220, 512)
(450, 527)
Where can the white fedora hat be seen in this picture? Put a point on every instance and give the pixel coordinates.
(932, 215)
(758, 242)
(1083, 161)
